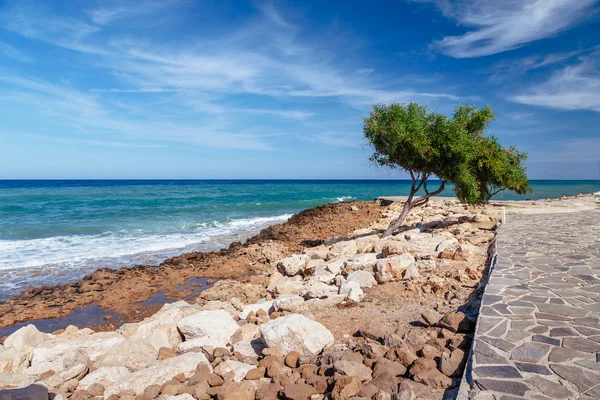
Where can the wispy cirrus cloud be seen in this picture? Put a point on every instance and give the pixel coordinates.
(574, 87)
(499, 26)
(118, 11)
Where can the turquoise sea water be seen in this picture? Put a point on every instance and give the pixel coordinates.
(57, 231)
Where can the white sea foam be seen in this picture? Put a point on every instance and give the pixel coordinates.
(124, 247)
(345, 198)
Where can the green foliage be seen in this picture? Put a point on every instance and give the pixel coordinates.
(456, 150)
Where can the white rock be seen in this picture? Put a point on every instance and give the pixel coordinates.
(288, 302)
(343, 248)
(392, 268)
(220, 305)
(355, 294)
(161, 328)
(295, 332)
(132, 354)
(335, 266)
(62, 352)
(77, 371)
(347, 286)
(106, 376)
(293, 265)
(246, 332)
(315, 290)
(213, 327)
(250, 348)
(365, 279)
(267, 306)
(322, 274)
(15, 361)
(315, 253)
(412, 272)
(366, 244)
(234, 369)
(445, 244)
(339, 280)
(288, 286)
(159, 373)
(10, 380)
(25, 338)
(185, 396)
(361, 262)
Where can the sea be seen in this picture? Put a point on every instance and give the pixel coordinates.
(56, 231)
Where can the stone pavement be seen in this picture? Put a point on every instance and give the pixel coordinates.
(538, 333)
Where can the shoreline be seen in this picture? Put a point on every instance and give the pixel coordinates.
(121, 291)
(323, 314)
(120, 300)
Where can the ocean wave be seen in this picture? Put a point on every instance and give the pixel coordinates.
(345, 198)
(123, 247)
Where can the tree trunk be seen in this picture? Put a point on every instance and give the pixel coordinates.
(398, 222)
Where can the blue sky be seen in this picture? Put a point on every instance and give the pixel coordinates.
(228, 89)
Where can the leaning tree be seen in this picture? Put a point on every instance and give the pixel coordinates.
(430, 145)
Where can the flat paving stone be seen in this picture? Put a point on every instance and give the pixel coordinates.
(539, 333)
(530, 352)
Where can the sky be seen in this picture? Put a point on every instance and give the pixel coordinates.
(258, 90)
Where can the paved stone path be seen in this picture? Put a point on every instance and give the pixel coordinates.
(538, 334)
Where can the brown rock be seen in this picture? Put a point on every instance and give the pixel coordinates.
(433, 378)
(152, 391)
(179, 377)
(373, 332)
(429, 351)
(220, 352)
(256, 373)
(384, 366)
(165, 352)
(298, 391)
(422, 365)
(374, 350)
(201, 375)
(215, 380)
(405, 355)
(455, 322)
(291, 360)
(318, 382)
(453, 364)
(275, 315)
(345, 387)
(430, 317)
(387, 382)
(201, 391)
(353, 368)
(236, 391)
(95, 389)
(307, 370)
(368, 391)
(170, 389)
(268, 391)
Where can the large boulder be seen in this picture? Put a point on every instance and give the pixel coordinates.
(131, 354)
(214, 328)
(317, 290)
(360, 262)
(77, 372)
(15, 361)
(161, 328)
(363, 278)
(10, 380)
(106, 376)
(343, 248)
(159, 373)
(63, 352)
(295, 332)
(25, 338)
(293, 265)
(288, 302)
(392, 269)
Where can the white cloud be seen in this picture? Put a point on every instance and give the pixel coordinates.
(126, 10)
(12, 52)
(575, 87)
(499, 26)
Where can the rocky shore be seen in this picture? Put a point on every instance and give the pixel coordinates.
(326, 309)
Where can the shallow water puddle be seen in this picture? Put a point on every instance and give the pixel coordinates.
(92, 315)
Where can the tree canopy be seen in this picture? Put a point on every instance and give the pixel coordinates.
(455, 150)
